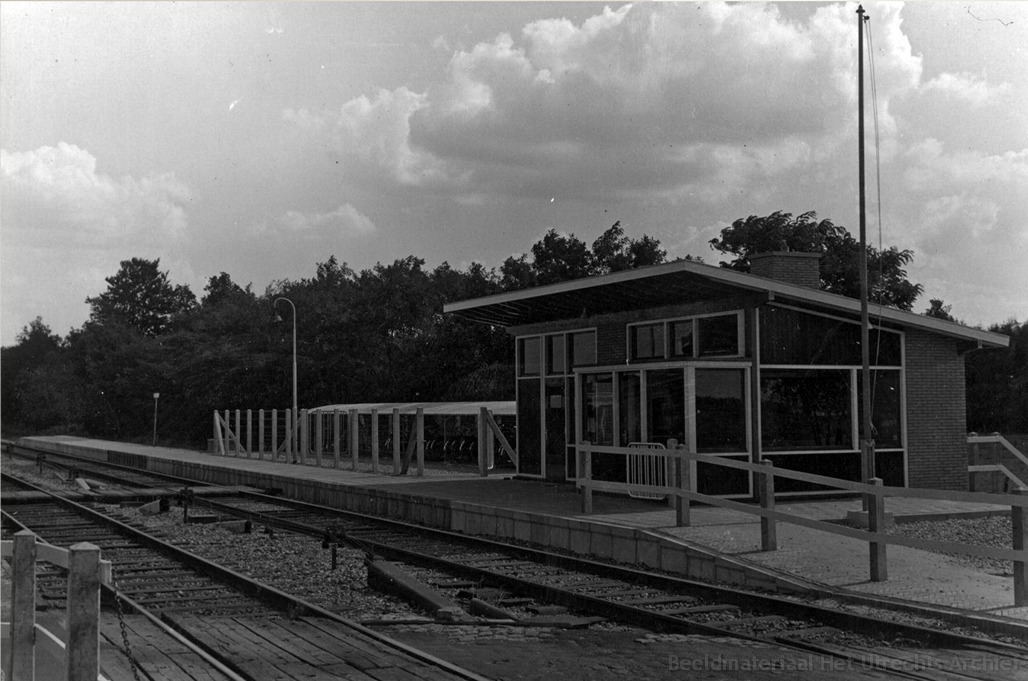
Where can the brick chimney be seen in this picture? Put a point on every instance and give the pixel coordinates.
(791, 267)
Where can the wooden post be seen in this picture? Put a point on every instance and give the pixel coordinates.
(260, 434)
(305, 436)
(239, 431)
(1019, 523)
(876, 523)
(587, 476)
(396, 442)
(683, 484)
(319, 433)
(353, 431)
(420, 426)
(768, 527)
(335, 438)
(374, 440)
(289, 436)
(274, 434)
(249, 432)
(83, 650)
(21, 664)
(483, 471)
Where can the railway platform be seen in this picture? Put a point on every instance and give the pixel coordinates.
(720, 544)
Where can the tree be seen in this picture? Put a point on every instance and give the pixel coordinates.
(997, 383)
(939, 310)
(36, 345)
(140, 296)
(840, 255)
(559, 258)
(614, 252)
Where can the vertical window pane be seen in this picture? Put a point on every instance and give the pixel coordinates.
(529, 423)
(629, 405)
(647, 342)
(529, 357)
(598, 409)
(665, 405)
(806, 410)
(555, 359)
(885, 408)
(720, 410)
(556, 436)
(681, 339)
(583, 348)
(718, 336)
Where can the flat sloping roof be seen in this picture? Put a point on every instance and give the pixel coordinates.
(678, 282)
(499, 408)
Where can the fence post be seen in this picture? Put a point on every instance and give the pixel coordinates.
(335, 438)
(1019, 523)
(420, 426)
(83, 650)
(249, 432)
(274, 434)
(22, 662)
(396, 441)
(683, 483)
(768, 526)
(587, 475)
(483, 471)
(305, 435)
(875, 524)
(319, 435)
(353, 432)
(260, 434)
(374, 440)
(239, 431)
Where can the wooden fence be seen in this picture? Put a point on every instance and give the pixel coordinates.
(81, 652)
(682, 491)
(304, 439)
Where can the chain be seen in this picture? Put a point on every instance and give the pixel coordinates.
(124, 629)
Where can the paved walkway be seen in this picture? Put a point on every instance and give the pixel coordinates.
(815, 556)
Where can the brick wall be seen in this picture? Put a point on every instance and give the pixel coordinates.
(936, 412)
(791, 267)
(610, 342)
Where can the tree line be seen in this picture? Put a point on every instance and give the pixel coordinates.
(378, 335)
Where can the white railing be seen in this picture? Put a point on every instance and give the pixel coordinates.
(81, 653)
(682, 488)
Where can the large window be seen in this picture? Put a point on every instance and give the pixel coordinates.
(720, 411)
(789, 336)
(806, 410)
(707, 336)
(886, 408)
(545, 407)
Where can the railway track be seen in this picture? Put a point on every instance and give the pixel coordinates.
(239, 628)
(522, 579)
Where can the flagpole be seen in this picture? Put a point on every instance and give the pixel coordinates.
(867, 462)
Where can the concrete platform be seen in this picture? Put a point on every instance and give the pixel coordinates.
(721, 545)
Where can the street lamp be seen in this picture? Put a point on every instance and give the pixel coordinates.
(296, 413)
(156, 396)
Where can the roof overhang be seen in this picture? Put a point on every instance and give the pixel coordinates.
(682, 282)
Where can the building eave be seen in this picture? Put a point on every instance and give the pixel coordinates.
(685, 278)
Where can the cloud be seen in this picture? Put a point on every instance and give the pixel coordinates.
(343, 220)
(967, 88)
(55, 195)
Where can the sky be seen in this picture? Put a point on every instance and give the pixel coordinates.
(261, 138)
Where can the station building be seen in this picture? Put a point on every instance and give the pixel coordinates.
(744, 366)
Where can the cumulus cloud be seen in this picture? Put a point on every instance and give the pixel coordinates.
(343, 220)
(967, 88)
(56, 195)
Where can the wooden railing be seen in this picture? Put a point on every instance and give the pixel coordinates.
(982, 458)
(683, 490)
(81, 652)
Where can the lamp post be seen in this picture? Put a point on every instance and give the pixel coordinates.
(156, 396)
(294, 439)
